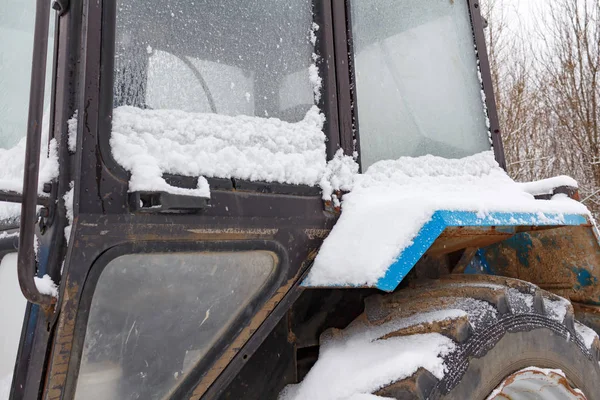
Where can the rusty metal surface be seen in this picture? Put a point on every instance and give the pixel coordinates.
(564, 260)
(458, 238)
(536, 384)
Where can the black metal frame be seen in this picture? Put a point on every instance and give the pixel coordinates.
(350, 127)
(328, 104)
(484, 65)
(26, 265)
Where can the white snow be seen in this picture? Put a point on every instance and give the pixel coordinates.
(339, 175)
(68, 198)
(557, 309)
(149, 143)
(11, 173)
(520, 303)
(357, 365)
(390, 203)
(45, 285)
(72, 125)
(546, 186)
(586, 334)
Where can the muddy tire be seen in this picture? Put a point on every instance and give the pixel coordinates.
(509, 325)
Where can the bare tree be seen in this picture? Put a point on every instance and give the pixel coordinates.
(567, 81)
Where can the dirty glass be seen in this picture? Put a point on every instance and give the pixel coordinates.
(154, 316)
(417, 82)
(17, 20)
(228, 57)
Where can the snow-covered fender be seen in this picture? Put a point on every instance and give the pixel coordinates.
(456, 230)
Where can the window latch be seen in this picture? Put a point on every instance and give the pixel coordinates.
(163, 202)
(61, 6)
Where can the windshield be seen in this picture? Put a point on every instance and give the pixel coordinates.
(17, 20)
(417, 84)
(225, 57)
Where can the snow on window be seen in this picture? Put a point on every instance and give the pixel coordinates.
(390, 203)
(216, 77)
(149, 143)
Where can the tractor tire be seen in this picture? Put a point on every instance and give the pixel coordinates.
(507, 325)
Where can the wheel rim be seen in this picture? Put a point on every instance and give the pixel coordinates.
(546, 384)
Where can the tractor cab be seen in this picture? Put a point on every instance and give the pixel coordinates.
(175, 183)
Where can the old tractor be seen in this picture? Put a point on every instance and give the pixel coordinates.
(263, 199)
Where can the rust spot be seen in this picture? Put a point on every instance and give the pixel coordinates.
(63, 342)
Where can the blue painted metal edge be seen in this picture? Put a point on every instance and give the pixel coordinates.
(443, 219)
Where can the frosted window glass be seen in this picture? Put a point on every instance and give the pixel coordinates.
(416, 80)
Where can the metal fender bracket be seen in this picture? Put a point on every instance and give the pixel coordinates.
(569, 191)
(163, 202)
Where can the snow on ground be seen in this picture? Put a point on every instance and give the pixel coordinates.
(149, 143)
(392, 200)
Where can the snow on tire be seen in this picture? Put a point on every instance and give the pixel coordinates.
(455, 338)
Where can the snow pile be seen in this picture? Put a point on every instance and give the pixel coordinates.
(150, 143)
(354, 367)
(393, 200)
(45, 285)
(546, 186)
(13, 165)
(339, 175)
(358, 363)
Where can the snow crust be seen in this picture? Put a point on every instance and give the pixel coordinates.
(355, 366)
(587, 334)
(13, 164)
(557, 309)
(46, 285)
(149, 143)
(356, 363)
(393, 200)
(546, 186)
(72, 138)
